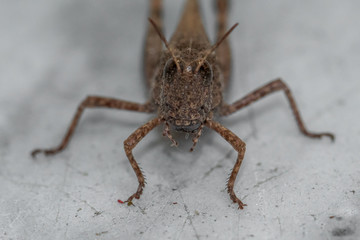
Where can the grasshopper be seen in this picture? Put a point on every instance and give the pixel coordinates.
(187, 79)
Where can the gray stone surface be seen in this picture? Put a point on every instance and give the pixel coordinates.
(54, 53)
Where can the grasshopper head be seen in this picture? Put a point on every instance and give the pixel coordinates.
(186, 94)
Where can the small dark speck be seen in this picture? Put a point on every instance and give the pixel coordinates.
(341, 232)
(353, 191)
(258, 164)
(337, 218)
(97, 213)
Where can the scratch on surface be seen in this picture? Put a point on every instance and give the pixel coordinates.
(77, 170)
(269, 179)
(96, 212)
(67, 166)
(182, 228)
(58, 213)
(281, 231)
(66, 227)
(218, 164)
(142, 210)
(159, 215)
(189, 217)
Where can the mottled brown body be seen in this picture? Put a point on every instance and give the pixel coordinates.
(186, 80)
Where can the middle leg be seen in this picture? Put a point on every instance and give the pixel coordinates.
(273, 86)
(93, 102)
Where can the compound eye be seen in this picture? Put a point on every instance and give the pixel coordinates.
(170, 70)
(206, 73)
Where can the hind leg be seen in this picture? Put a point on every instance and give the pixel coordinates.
(92, 102)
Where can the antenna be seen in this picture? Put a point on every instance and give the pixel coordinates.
(166, 43)
(215, 46)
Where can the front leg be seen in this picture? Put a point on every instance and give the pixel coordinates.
(240, 147)
(129, 144)
(93, 102)
(276, 85)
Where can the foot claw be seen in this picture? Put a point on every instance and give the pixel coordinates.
(239, 202)
(129, 203)
(241, 205)
(46, 152)
(129, 200)
(35, 152)
(320, 135)
(330, 135)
